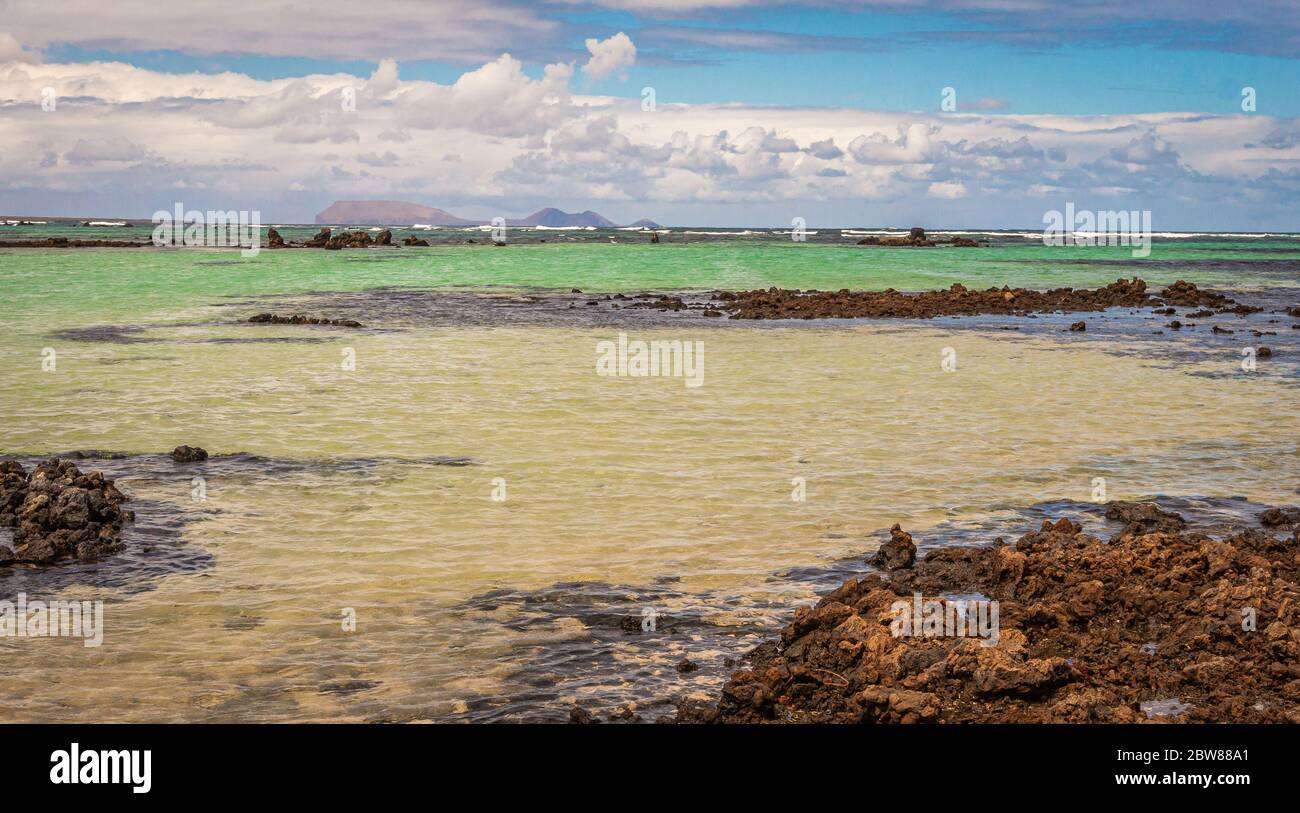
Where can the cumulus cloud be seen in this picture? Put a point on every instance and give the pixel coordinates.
(330, 29)
(103, 150)
(610, 56)
(496, 99)
(947, 189)
(137, 138)
(825, 149)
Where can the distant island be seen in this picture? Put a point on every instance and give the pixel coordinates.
(401, 213)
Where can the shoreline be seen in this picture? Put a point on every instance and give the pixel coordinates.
(1161, 623)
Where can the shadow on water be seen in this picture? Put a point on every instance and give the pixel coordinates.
(155, 544)
(585, 641)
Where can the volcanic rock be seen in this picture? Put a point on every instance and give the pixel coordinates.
(301, 319)
(58, 512)
(1088, 631)
(189, 454)
(899, 552)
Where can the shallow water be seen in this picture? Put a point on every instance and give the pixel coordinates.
(372, 488)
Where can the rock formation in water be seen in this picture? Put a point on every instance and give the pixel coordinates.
(57, 512)
(1088, 630)
(189, 454)
(958, 300)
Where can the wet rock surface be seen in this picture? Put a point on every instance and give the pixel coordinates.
(58, 512)
(1285, 517)
(189, 454)
(1088, 631)
(896, 554)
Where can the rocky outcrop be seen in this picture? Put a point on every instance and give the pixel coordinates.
(352, 239)
(300, 319)
(57, 512)
(1284, 517)
(322, 237)
(189, 454)
(415, 241)
(63, 242)
(957, 300)
(915, 237)
(1088, 631)
(273, 238)
(1142, 518)
(896, 554)
(384, 238)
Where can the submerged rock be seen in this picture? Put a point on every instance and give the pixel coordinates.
(1280, 517)
(1142, 517)
(58, 512)
(580, 716)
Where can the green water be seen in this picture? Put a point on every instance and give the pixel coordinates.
(622, 493)
(106, 284)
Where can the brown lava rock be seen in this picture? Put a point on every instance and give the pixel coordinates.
(1088, 630)
(957, 300)
(899, 552)
(1280, 517)
(1142, 517)
(59, 512)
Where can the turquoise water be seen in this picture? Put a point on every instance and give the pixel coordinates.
(110, 283)
(373, 487)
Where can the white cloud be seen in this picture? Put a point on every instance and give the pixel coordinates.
(950, 190)
(137, 136)
(610, 56)
(324, 29)
(11, 50)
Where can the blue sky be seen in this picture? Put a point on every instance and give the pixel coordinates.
(878, 59)
(499, 106)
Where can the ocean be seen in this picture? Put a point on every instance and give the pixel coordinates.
(499, 520)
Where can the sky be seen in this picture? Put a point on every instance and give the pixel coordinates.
(947, 113)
